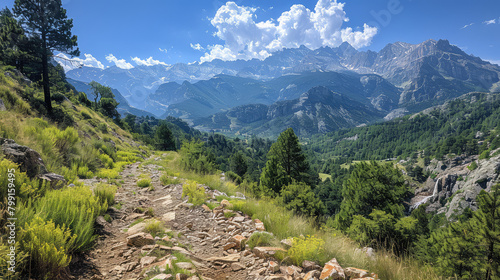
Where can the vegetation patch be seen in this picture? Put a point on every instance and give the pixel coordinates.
(144, 183)
(258, 239)
(154, 227)
(196, 194)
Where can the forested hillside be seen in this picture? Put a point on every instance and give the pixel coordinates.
(457, 127)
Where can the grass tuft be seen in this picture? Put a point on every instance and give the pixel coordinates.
(154, 227)
(144, 183)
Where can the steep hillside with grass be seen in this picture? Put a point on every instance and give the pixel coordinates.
(75, 142)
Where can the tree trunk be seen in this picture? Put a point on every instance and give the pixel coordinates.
(45, 74)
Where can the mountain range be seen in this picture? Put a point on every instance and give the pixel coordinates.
(401, 77)
(318, 110)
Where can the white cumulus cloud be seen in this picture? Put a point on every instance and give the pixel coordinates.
(147, 62)
(197, 47)
(163, 50)
(120, 63)
(72, 63)
(245, 38)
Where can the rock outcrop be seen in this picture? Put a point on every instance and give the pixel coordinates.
(31, 162)
(455, 187)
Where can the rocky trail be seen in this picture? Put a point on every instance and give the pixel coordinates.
(206, 244)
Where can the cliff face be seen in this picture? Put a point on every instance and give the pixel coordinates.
(455, 186)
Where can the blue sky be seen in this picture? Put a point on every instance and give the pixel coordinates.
(129, 33)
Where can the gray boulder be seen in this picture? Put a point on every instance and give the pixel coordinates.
(29, 160)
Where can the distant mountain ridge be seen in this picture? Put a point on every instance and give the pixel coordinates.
(224, 92)
(403, 64)
(403, 76)
(318, 110)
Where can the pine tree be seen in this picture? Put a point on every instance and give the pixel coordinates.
(273, 177)
(13, 42)
(287, 154)
(489, 218)
(459, 254)
(238, 164)
(164, 138)
(47, 23)
(372, 186)
(301, 199)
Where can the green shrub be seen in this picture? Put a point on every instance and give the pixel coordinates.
(175, 269)
(64, 141)
(196, 194)
(154, 227)
(38, 122)
(85, 115)
(107, 161)
(129, 157)
(105, 193)
(48, 246)
(212, 205)
(150, 212)
(234, 177)
(259, 239)
(237, 205)
(24, 186)
(144, 183)
(107, 148)
(58, 97)
(84, 172)
(484, 155)
(222, 197)
(88, 156)
(107, 217)
(307, 248)
(108, 173)
(21, 258)
(472, 166)
(103, 127)
(75, 208)
(196, 157)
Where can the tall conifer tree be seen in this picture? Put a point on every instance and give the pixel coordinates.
(46, 22)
